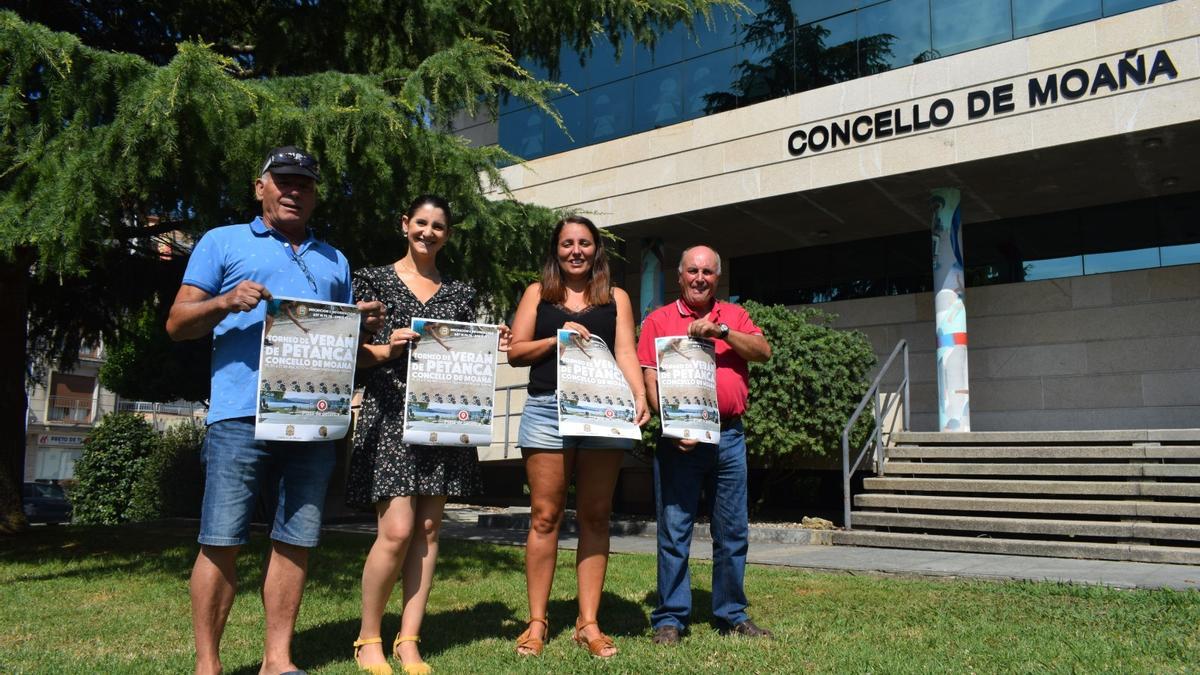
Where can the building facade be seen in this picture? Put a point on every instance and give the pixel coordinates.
(807, 144)
(66, 405)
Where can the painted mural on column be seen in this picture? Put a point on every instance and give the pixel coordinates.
(651, 297)
(954, 412)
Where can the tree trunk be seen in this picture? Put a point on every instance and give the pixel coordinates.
(14, 297)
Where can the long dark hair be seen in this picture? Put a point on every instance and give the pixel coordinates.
(599, 286)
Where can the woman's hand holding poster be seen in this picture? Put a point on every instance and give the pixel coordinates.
(451, 383)
(593, 397)
(687, 388)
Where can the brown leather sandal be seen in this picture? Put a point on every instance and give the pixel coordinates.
(595, 646)
(535, 645)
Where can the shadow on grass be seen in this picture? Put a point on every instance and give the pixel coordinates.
(701, 609)
(330, 642)
(94, 552)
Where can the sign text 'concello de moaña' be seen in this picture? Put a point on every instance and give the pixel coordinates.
(1132, 69)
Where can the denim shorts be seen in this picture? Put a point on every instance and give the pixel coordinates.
(290, 476)
(539, 429)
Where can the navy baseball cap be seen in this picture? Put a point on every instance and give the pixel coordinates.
(293, 160)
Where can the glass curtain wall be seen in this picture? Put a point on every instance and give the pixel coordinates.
(1116, 237)
(784, 47)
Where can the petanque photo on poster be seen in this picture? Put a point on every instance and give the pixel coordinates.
(593, 397)
(687, 388)
(306, 370)
(451, 383)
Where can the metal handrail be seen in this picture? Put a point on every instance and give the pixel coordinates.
(875, 439)
(508, 414)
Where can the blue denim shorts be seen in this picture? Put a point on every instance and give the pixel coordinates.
(290, 475)
(539, 429)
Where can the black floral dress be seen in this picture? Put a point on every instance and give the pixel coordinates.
(381, 466)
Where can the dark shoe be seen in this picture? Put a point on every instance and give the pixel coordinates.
(748, 629)
(666, 635)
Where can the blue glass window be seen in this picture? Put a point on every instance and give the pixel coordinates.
(1038, 16)
(708, 83)
(609, 111)
(573, 110)
(667, 49)
(826, 52)
(658, 98)
(1117, 6)
(603, 65)
(1116, 261)
(959, 25)
(892, 35)
(1182, 254)
(1053, 268)
(521, 133)
(807, 11)
(571, 72)
(721, 34)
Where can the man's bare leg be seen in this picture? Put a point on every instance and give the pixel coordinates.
(283, 587)
(213, 585)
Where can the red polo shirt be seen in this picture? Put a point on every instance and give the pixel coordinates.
(733, 376)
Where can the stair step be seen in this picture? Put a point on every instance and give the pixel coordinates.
(1033, 526)
(1095, 551)
(1096, 437)
(1059, 487)
(1027, 469)
(1137, 508)
(1046, 452)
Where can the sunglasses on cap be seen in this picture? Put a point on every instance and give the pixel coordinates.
(292, 162)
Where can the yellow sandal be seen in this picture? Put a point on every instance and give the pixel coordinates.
(420, 668)
(528, 641)
(376, 669)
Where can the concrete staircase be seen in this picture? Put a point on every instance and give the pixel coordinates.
(1108, 495)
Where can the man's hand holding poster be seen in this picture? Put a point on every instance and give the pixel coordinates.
(687, 388)
(306, 370)
(593, 397)
(451, 383)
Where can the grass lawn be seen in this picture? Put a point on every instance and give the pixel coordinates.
(114, 600)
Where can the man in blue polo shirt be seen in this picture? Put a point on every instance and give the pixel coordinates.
(232, 270)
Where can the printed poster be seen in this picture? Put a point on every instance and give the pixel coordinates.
(593, 397)
(451, 383)
(687, 388)
(306, 370)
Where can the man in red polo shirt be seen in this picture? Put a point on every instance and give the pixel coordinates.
(683, 466)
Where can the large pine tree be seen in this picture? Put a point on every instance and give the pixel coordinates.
(128, 128)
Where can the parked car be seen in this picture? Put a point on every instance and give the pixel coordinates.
(46, 503)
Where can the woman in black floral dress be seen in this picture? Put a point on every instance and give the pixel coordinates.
(406, 485)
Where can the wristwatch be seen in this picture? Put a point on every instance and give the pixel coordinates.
(724, 330)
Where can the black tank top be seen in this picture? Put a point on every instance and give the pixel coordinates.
(601, 320)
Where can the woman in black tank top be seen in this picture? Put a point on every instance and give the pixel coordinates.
(574, 293)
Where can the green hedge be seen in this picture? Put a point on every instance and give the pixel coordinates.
(114, 457)
(130, 472)
(802, 397)
(171, 482)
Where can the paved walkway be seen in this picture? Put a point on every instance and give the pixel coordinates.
(769, 548)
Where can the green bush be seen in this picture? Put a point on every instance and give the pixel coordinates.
(802, 397)
(171, 482)
(114, 457)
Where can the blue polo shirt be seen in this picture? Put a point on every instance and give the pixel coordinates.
(226, 256)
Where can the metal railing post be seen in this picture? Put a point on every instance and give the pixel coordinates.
(875, 438)
(507, 418)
